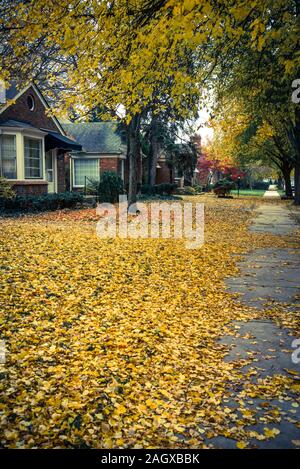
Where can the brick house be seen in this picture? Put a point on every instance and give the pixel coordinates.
(39, 155)
(34, 148)
(164, 174)
(103, 149)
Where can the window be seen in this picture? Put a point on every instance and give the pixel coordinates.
(8, 157)
(84, 168)
(30, 102)
(33, 158)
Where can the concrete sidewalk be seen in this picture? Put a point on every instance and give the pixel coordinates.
(272, 192)
(273, 219)
(268, 276)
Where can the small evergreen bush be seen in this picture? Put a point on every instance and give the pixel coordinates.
(108, 188)
(223, 187)
(6, 192)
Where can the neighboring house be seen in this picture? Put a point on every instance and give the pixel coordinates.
(205, 170)
(163, 172)
(34, 148)
(102, 150)
(38, 154)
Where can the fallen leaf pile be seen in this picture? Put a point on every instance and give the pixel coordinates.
(113, 343)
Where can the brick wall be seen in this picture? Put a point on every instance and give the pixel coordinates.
(109, 164)
(126, 173)
(105, 164)
(63, 172)
(163, 174)
(21, 112)
(30, 187)
(67, 161)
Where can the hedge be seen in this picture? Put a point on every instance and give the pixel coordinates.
(40, 203)
(158, 189)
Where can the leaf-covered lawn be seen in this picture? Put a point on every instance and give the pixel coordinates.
(112, 343)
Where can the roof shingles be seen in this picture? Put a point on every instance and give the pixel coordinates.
(96, 137)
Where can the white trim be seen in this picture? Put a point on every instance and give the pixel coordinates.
(42, 159)
(72, 165)
(55, 170)
(27, 182)
(31, 98)
(16, 155)
(73, 178)
(44, 102)
(53, 154)
(71, 174)
(23, 130)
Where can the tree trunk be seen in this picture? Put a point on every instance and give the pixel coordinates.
(134, 154)
(297, 143)
(297, 180)
(297, 164)
(286, 172)
(139, 163)
(250, 181)
(154, 152)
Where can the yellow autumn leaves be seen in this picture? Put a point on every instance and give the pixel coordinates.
(268, 433)
(113, 343)
(128, 55)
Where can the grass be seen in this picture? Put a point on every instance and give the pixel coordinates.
(252, 193)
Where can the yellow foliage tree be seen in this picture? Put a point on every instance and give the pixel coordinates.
(120, 53)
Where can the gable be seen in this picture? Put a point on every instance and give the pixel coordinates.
(20, 111)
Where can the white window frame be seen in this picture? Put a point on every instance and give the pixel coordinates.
(31, 106)
(42, 163)
(4, 134)
(73, 169)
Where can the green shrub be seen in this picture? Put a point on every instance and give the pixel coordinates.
(158, 189)
(260, 185)
(147, 189)
(110, 187)
(223, 187)
(6, 192)
(69, 199)
(165, 189)
(93, 187)
(187, 190)
(198, 189)
(45, 202)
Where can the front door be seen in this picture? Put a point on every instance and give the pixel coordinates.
(50, 170)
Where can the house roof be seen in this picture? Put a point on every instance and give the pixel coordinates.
(15, 123)
(52, 140)
(56, 140)
(96, 137)
(13, 93)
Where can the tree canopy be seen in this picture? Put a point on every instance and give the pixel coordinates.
(158, 54)
(123, 52)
